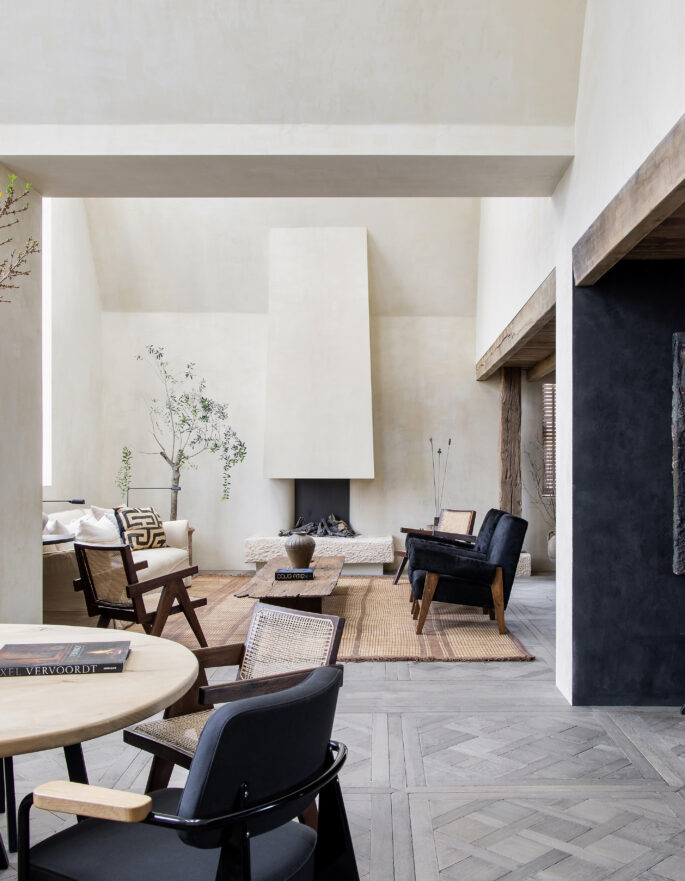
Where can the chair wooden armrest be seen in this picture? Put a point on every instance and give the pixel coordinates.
(92, 801)
(420, 531)
(153, 583)
(220, 655)
(244, 688)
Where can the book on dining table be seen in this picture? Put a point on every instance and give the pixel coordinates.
(60, 658)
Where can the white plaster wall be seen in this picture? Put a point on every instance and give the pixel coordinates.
(366, 61)
(76, 358)
(515, 255)
(414, 266)
(423, 386)
(630, 95)
(21, 573)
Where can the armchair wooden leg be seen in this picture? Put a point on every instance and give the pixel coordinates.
(497, 589)
(429, 586)
(166, 601)
(189, 612)
(415, 609)
(491, 613)
(400, 570)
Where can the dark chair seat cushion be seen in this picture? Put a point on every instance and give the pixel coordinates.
(472, 569)
(99, 850)
(453, 590)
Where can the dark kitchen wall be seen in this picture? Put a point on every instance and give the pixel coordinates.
(628, 607)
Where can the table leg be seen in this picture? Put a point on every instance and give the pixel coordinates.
(303, 604)
(76, 766)
(4, 860)
(8, 767)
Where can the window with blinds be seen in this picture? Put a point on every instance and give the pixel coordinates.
(549, 438)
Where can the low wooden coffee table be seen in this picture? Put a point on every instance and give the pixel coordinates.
(303, 595)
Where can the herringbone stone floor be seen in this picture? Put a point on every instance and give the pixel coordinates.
(478, 772)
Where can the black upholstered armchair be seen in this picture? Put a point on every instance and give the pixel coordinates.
(482, 576)
(258, 763)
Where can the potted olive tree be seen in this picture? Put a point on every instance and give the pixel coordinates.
(185, 422)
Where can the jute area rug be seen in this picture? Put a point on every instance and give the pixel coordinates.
(378, 623)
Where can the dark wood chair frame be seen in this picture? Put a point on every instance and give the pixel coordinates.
(202, 696)
(466, 539)
(173, 589)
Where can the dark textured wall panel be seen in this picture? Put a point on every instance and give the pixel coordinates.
(628, 606)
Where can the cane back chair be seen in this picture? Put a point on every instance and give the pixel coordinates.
(281, 646)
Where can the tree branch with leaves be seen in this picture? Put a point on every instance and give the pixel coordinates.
(15, 265)
(186, 422)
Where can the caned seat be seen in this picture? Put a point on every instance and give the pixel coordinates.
(280, 643)
(109, 581)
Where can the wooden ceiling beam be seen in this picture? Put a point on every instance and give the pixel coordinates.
(538, 311)
(652, 194)
(542, 368)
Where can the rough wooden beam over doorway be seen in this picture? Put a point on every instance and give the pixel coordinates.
(542, 368)
(523, 327)
(652, 194)
(510, 440)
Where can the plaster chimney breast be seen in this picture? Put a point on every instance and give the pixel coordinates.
(318, 378)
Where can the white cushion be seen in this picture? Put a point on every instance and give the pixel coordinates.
(90, 530)
(99, 513)
(55, 527)
(160, 561)
(176, 532)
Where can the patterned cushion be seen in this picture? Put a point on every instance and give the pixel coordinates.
(141, 528)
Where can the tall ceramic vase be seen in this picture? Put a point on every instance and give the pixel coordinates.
(300, 550)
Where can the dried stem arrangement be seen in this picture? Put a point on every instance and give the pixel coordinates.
(439, 473)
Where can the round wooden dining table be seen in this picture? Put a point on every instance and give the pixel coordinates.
(44, 712)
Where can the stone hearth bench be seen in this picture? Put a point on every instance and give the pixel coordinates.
(364, 554)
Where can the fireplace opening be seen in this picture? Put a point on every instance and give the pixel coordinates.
(322, 507)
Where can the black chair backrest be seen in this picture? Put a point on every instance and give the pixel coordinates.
(272, 743)
(487, 529)
(505, 547)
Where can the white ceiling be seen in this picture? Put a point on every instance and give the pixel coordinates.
(465, 62)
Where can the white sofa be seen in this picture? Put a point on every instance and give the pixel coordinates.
(60, 569)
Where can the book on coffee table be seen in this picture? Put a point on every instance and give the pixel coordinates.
(294, 575)
(60, 658)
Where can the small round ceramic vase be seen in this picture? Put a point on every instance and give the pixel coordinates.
(300, 550)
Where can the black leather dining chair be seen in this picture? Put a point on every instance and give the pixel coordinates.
(259, 762)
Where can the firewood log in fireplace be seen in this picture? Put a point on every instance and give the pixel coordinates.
(328, 526)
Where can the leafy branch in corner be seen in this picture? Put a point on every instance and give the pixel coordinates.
(12, 204)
